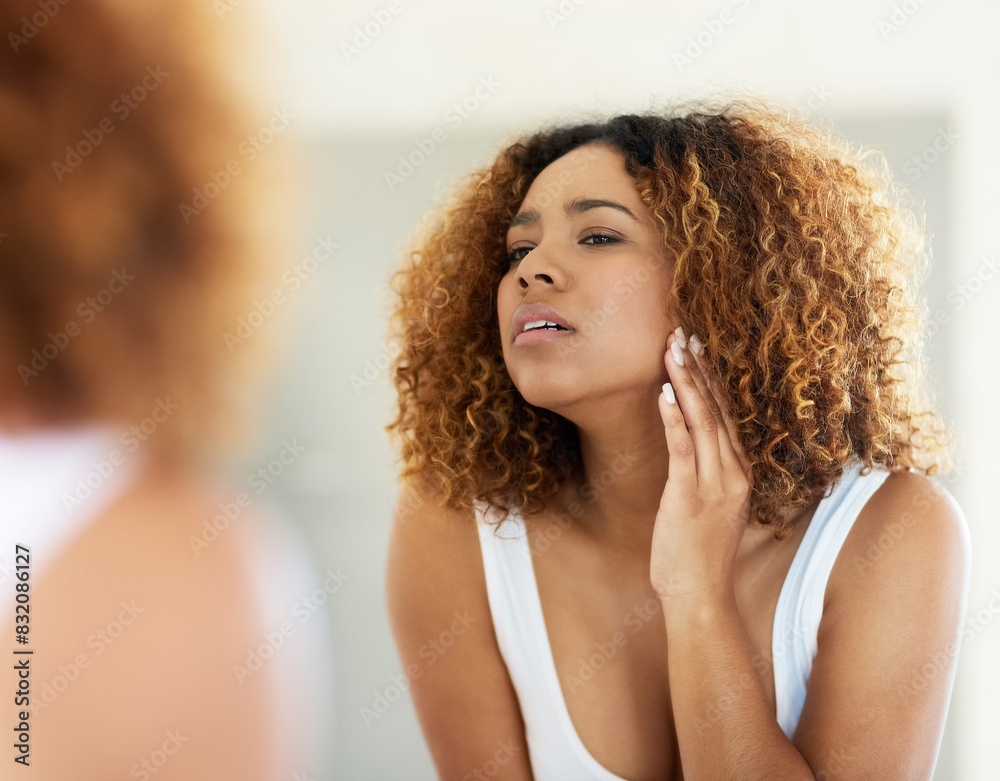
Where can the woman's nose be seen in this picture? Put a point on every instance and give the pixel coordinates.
(538, 268)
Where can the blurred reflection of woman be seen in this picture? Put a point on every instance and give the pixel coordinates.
(128, 248)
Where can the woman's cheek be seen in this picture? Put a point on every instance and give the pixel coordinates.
(623, 289)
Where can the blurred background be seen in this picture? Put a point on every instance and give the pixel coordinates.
(389, 102)
(396, 100)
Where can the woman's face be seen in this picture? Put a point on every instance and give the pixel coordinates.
(582, 308)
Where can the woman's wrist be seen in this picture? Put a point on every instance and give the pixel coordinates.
(698, 606)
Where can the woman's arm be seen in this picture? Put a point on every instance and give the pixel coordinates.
(441, 621)
(889, 640)
(879, 687)
(880, 684)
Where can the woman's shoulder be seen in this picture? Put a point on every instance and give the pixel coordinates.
(910, 527)
(888, 641)
(433, 549)
(144, 625)
(173, 540)
(441, 621)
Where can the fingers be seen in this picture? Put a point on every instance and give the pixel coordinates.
(718, 401)
(698, 453)
(698, 374)
(680, 446)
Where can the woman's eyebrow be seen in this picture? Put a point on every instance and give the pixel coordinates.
(579, 206)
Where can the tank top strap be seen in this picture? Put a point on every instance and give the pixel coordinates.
(800, 605)
(555, 749)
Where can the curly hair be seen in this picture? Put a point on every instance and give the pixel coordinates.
(128, 247)
(797, 259)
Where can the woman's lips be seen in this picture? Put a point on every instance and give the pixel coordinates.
(541, 335)
(535, 314)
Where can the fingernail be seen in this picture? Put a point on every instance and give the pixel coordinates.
(675, 349)
(668, 393)
(680, 336)
(695, 344)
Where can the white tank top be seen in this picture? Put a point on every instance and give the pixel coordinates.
(55, 483)
(555, 750)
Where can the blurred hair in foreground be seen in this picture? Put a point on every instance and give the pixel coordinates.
(116, 285)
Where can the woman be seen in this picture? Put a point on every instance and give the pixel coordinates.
(678, 359)
(153, 603)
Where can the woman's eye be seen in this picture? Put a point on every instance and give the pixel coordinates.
(604, 238)
(593, 239)
(515, 254)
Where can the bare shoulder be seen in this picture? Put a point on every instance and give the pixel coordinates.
(889, 639)
(440, 616)
(910, 527)
(144, 640)
(438, 542)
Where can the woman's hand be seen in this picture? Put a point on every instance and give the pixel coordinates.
(706, 502)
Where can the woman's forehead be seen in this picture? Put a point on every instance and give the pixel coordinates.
(590, 171)
(594, 158)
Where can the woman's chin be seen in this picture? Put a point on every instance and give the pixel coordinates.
(560, 400)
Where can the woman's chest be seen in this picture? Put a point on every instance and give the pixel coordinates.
(608, 639)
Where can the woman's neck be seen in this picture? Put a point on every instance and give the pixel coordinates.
(624, 472)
